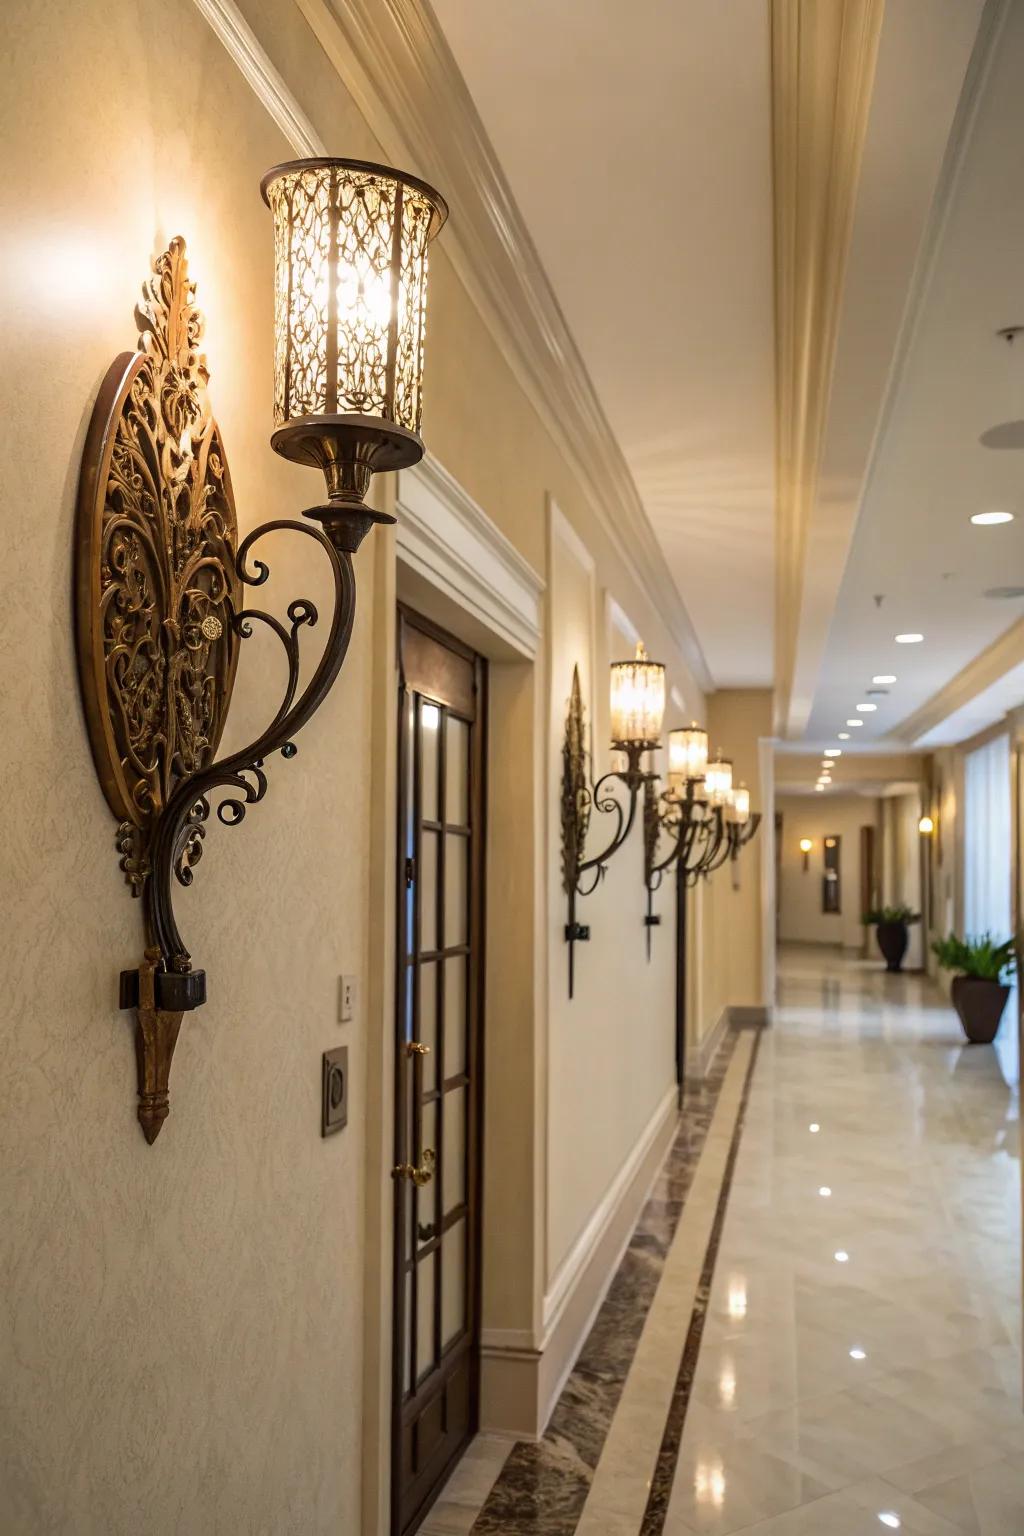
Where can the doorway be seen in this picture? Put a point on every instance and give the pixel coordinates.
(438, 1062)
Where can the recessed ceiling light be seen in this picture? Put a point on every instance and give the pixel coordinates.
(989, 519)
(843, 736)
(824, 1191)
(841, 1256)
(910, 638)
(855, 722)
(883, 678)
(891, 1519)
(858, 1354)
(833, 751)
(814, 1127)
(866, 709)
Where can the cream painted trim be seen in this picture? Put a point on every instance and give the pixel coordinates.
(678, 702)
(823, 69)
(769, 893)
(568, 1273)
(448, 539)
(248, 53)
(707, 1049)
(561, 526)
(616, 617)
(393, 58)
(987, 668)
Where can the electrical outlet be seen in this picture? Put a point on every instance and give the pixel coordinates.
(346, 999)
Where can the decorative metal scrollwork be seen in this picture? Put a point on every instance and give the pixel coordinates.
(581, 875)
(156, 585)
(159, 621)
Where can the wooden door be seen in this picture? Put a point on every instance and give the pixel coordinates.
(438, 1063)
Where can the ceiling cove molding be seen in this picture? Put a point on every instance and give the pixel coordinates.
(823, 69)
(245, 48)
(394, 60)
(987, 668)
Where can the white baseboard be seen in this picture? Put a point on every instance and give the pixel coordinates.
(521, 1379)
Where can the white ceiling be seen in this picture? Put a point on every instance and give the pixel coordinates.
(638, 146)
(913, 544)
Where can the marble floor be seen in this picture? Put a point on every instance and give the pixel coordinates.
(830, 1341)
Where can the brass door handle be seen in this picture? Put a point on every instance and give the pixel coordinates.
(418, 1176)
(414, 1048)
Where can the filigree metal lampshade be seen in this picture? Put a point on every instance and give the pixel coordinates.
(687, 756)
(637, 700)
(350, 243)
(718, 780)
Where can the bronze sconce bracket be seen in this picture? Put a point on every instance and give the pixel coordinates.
(582, 875)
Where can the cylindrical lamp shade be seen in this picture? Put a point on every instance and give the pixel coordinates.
(741, 805)
(350, 281)
(718, 780)
(637, 700)
(687, 756)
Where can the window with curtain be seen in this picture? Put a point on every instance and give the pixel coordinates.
(987, 839)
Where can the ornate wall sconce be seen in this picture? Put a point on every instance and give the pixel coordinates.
(159, 571)
(637, 709)
(805, 848)
(705, 819)
(926, 826)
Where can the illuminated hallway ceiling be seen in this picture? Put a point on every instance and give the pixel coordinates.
(637, 143)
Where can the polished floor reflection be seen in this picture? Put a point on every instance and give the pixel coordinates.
(834, 1343)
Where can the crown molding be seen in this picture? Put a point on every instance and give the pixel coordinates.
(393, 58)
(248, 53)
(987, 668)
(823, 70)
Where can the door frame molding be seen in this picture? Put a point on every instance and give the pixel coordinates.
(448, 560)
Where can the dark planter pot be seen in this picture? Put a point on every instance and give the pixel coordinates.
(893, 939)
(979, 1004)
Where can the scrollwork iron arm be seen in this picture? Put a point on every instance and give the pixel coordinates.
(177, 837)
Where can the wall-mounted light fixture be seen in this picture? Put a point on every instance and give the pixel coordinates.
(159, 572)
(926, 826)
(703, 825)
(637, 709)
(805, 848)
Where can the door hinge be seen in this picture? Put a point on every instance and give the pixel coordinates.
(410, 872)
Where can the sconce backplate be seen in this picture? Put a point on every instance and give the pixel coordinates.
(155, 581)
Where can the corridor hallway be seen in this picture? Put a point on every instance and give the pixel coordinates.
(859, 1358)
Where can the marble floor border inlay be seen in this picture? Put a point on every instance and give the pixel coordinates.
(653, 1522)
(543, 1486)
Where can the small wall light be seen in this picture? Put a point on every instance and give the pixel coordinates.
(159, 571)
(805, 848)
(926, 825)
(687, 757)
(718, 780)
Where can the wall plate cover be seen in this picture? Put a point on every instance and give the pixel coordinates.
(334, 1091)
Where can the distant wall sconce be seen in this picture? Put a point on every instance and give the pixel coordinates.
(926, 826)
(637, 710)
(700, 816)
(159, 571)
(805, 848)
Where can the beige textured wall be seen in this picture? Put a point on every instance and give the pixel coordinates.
(180, 1326)
(801, 919)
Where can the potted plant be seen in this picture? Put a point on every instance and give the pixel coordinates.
(979, 991)
(891, 924)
